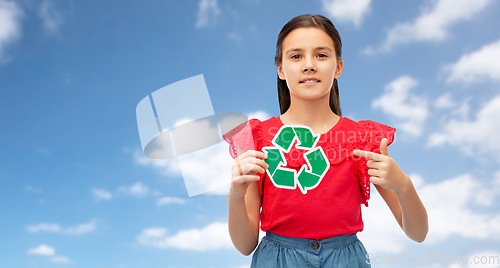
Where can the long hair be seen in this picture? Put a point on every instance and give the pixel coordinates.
(306, 21)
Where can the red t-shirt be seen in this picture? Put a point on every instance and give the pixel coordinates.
(316, 190)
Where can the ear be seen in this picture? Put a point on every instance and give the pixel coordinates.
(340, 67)
(281, 73)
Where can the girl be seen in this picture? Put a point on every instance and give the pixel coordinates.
(304, 174)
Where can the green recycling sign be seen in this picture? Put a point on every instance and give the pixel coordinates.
(286, 178)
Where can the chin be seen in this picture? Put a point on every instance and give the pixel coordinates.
(309, 94)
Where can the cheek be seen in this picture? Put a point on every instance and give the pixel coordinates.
(289, 70)
(329, 74)
(330, 69)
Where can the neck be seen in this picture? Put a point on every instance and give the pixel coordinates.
(315, 114)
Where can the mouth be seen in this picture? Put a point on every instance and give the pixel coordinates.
(310, 81)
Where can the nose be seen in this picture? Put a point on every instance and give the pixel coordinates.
(308, 66)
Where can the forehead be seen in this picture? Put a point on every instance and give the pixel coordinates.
(307, 38)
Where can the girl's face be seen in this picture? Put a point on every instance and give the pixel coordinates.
(309, 63)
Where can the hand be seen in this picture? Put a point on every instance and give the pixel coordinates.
(244, 171)
(384, 171)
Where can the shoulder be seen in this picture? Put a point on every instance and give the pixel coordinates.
(273, 121)
(268, 126)
(348, 123)
(364, 124)
(369, 124)
(374, 128)
(373, 132)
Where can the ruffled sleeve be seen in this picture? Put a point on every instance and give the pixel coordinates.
(370, 134)
(246, 136)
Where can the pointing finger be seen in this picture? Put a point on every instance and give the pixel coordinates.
(253, 153)
(369, 155)
(383, 147)
(375, 180)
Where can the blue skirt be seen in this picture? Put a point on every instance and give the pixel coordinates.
(276, 251)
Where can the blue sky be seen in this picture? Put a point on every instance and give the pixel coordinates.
(76, 190)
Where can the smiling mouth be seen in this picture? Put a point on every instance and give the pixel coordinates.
(310, 81)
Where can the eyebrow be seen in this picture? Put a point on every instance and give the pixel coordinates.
(300, 49)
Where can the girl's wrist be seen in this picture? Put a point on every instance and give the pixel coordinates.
(232, 197)
(405, 186)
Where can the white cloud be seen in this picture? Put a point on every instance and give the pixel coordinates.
(261, 115)
(433, 24)
(408, 110)
(208, 11)
(477, 137)
(60, 259)
(213, 237)
(451, 107)
(381, 232)
(44, 227)
(56, 228)
(445, 101)
(42, 250)
(10, 25)
(483, 259)
(166, 167)
(450, 206)
(477, 66)
(170, 200)
(45, 250)
(207, 170)
(50, 16)
(463, 110)
(136, 190)
(80, 229)
(352, 11)
(496, 181)
(151, 233)
(100, 194)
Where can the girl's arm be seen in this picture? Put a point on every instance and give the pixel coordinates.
(408, 210)
(245, 200)
(398, 192)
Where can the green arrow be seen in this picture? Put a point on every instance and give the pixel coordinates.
(316, 158)
(305, 136)
(307, 180)
(310, 179)
(284, 178)
(285, 138)
(274, 158)
(317, 161)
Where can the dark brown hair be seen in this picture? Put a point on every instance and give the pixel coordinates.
(306, 21)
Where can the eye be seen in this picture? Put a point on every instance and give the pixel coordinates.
(322, 55)
(295, 56)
